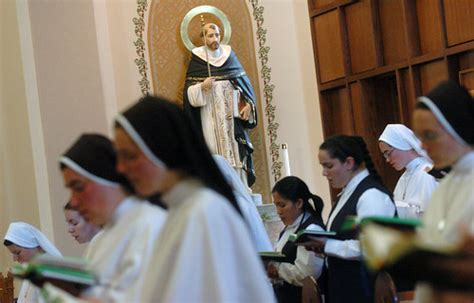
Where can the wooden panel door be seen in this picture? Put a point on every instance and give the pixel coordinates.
(330, 58)
(459, 16)
(360, 33)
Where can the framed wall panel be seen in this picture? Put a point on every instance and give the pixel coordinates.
(429, 26)
(459, 16)
(329, 46)
(394, 38)
(360, 32)
(432, 73)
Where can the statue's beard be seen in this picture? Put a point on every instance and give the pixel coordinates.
(214, 45)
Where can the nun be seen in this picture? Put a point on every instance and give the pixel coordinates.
(444, 122)
(25, 241)
(205, 251)
(247, 206)
(121, 253)
(402, 150)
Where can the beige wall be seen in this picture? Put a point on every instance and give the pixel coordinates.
(18, 197)
(71, 66)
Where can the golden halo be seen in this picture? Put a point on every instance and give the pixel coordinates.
(199, 10)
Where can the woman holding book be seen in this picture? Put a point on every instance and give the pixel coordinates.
(25, 241)
(292, 197)
(205, 252)
(403, 151)
(348, 166)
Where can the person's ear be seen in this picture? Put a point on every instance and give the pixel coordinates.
(349, 163)
(299, 203)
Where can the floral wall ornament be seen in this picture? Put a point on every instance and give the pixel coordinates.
(267, 90)
(141, 63)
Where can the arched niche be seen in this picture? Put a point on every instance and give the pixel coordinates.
(163, 59)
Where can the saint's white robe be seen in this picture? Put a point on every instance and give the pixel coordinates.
(121, 253)
(218, 108)
(450, 209)
(205, 253)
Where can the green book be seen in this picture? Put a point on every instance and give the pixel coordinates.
(302, 235)
(70, 274)
(272, 256)
(384, 246)
(352, 222)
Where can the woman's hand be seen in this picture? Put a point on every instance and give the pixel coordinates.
(272, 271)
(316, 244)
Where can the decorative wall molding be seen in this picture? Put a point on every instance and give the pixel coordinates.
(267, 89)
(139, 22)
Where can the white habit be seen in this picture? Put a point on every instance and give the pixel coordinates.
(120, 254)
(247, 206)
(450, 209)
(205, 252)
(414, 188)
(26, 235)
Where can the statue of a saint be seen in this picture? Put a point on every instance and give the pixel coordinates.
(219, 96)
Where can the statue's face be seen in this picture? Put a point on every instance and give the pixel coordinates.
(213, 36)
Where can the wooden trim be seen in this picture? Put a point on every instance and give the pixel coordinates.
(324, 9)
(332, 84)
(377, 30)
(427, 57)
(444, 32)
(411, 28)
(415, 77)
(315, 49)
(459, 48)
(345, 41)
(402, 106)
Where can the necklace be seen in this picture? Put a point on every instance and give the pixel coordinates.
(408, 179)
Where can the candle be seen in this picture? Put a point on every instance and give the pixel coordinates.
(285, 159)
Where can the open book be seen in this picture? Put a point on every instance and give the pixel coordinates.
(302, 235)
(272, 256)
(70, 274)
(406, 256)
(407, 224)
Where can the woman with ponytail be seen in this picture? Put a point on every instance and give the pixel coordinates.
(348, 166)
(292, 200)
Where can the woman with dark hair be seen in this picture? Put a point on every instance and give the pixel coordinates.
(444, 121)
(81, 230)
(121, 254)
(291, 197)
(205, 253)
(347, 165)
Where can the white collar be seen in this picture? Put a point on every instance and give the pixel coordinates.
(297, 221)
(217, 58)
(122, 209)
(352, 184)
(180, 192)
(413, 164)
(465, 163)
